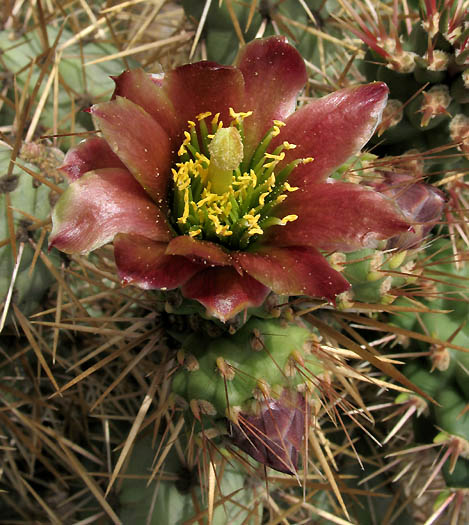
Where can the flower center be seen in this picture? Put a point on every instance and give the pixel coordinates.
(219, 194)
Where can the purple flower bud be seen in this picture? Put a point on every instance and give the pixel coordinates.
(421, 204)
(274, 435)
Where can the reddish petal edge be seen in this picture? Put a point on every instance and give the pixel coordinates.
(91, 154)
(224, 292)
(100, 204)
(138, 86)
(337, 216)
(143, 263)
(293, 271)
(331, 129)
(139, 141)
(204, 252)
(274, 74)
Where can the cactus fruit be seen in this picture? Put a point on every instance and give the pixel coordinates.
(255, 380)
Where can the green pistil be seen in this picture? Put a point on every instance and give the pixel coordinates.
(221, 196)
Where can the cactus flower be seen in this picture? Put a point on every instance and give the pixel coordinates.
(207, 179)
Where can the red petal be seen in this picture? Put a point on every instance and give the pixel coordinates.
(199, 251)
(331, 129)
(224, 292)
(100, 204)
(204, 86)
(138, 87)
(142, 262)
(274, 73)
(336, 216)
(139, 141)
(293, 271)
(90, 154)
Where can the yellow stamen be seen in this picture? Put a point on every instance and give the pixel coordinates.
(185, 215)
(194, 233)
(290, 188)
(201, 116)
(288, 218)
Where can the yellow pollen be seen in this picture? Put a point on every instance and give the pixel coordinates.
(276, 159)
(185, 215)
(262, 198)
(288, 218)
(201, 116)
(239, 116)
(290, 188)
(275, 131)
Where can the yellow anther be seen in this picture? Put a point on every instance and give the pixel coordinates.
(194, 233)
(290, 188)
(275, 131)
(280, 198)
(185, 215)
(262, 198)
(287, 145)
(275, 159)
(307, 160)
(211, 135)
(191, 124)
(201, 116)
(279, 123)
(288, 218)
(215, 118)
(239, 116)
(182, 150)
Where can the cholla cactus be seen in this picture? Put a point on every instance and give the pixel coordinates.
(424, 58)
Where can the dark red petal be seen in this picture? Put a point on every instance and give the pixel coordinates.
(139, 87)
(91, 154)
(274, 73)
(139, 141)
(204, 252)
(331, 129)
(101, 204)
(336, 216)
(143, 262)
(293, 271)
(224, 292)
(204, 86)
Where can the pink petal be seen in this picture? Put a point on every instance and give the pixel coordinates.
(139, 141)
(224, 292)
(139, 87)
(331, 129)
(91, 154)
(293, 271)
(336, 216)
(204, 86)
(143, 262)
(100, 204)
(199, 251)
(274, 73)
